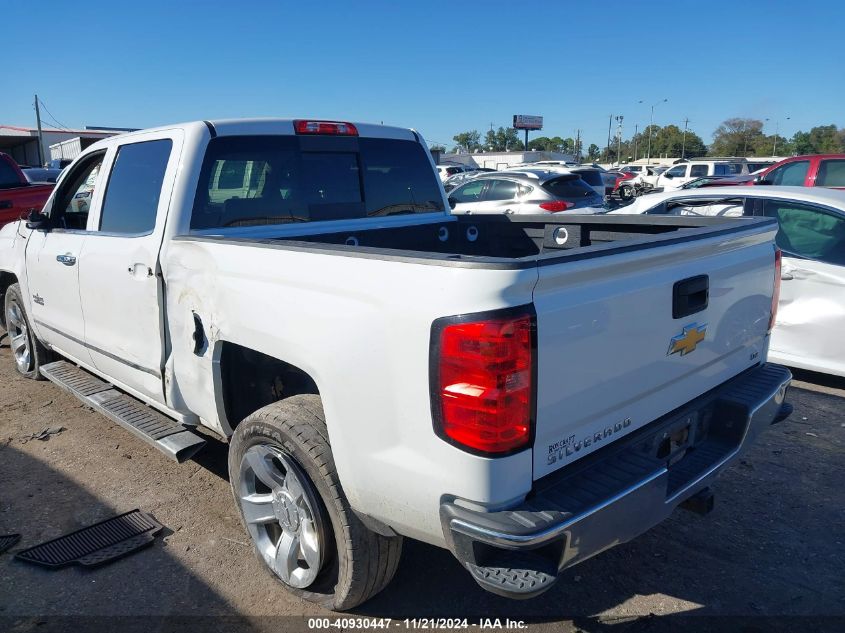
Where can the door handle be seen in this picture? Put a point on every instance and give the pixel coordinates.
(67, 259)
(786, 276)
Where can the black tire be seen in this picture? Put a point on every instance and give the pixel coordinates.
(626, 193)
(38, 354)
(360, 562)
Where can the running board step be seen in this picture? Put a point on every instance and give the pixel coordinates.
(168, 436)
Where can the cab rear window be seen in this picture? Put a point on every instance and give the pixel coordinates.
(260, 180)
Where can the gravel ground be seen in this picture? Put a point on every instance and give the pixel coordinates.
(769, 557)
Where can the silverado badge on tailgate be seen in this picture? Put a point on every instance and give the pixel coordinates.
(687, 340)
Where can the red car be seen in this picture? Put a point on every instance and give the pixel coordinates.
(817, 170)
(17, 195)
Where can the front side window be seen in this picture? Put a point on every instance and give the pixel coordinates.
(790, 175)
(73, 201)
(697, 171)
(501, 190)
(470, 192)
(808, 231)
(134, 187)
(677, 172)
(831, 174)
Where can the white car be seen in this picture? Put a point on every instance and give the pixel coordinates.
(447, 171)
(811, 315)
(682, 173)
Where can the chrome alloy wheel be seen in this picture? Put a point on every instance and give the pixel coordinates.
(18, 336)
(281, 513)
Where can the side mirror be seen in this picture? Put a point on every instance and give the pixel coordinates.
(452, 202)
(37, 221)
(760, 180)
(668, 175)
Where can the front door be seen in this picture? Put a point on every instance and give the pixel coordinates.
(52, 260)
(811, 312)
(120, 281)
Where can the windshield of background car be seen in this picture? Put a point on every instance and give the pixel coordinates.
(568, 188)
(259, 180)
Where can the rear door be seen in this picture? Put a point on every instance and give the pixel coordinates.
(615, 352)
(500, 196)
(120, 282)
(830, 173)
(811, 313)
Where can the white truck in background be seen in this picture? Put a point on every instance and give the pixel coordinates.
(526, 391)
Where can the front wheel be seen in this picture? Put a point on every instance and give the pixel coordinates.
(28, 352)
(626, 193)
(291, 501)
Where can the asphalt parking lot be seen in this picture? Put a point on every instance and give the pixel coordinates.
(771, 552)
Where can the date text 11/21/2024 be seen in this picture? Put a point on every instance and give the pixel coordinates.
(415, 623)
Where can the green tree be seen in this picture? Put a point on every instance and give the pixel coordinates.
(826, 139)
(467, 141)
(801, 143)
(737, 137)
(505, 139)
(437, 147)
(593, 152)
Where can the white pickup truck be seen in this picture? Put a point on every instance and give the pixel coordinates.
(526, 391)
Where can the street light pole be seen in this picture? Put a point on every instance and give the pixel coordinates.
(777, 131)
(684, 139)
(650, 129)
(607, 149)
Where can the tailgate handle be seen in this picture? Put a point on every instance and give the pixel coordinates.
(690, 296)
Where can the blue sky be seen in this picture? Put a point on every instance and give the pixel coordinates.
(441, 67)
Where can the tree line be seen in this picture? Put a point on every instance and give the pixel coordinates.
(733, 137)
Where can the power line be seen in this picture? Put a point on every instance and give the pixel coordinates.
(54, 119)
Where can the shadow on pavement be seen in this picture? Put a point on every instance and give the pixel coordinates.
(41, 504)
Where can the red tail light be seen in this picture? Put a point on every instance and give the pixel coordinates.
(776, 292)
(556, 205)
(483, 382)
(335, 128)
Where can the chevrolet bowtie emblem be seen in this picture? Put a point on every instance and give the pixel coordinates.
(688, 340)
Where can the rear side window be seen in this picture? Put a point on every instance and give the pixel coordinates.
(792, 174)
(697, 171)
(501, 190)
(831, 174)
(254, 180)
(568, 188)
(808, 232)
(134, 188)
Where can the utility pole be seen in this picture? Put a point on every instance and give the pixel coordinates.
(40, 138)
(619, 140)
(684, 141)
(607, 149)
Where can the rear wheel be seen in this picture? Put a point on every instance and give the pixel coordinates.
(28, 352)
(292, 504)
(626, 192)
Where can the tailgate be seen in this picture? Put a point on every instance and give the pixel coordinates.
(611, 356)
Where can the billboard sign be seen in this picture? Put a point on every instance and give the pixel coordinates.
(527, 122)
